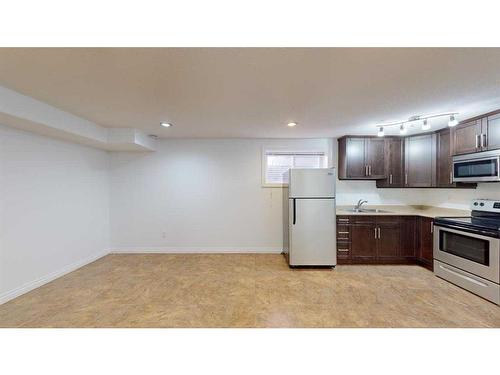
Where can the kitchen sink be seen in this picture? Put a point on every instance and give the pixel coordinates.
(368, 210)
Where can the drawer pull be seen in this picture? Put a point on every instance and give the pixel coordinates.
(344, 220)
(343, 250)
(343, 232)
(463, 276)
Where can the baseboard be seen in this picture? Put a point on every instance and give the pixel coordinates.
(201, 250)
(11, 294)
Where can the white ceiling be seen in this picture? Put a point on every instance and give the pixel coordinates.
(245, 92)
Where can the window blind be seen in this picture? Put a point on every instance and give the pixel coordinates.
(278, 162)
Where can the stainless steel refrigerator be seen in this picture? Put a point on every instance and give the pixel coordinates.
(309, 218)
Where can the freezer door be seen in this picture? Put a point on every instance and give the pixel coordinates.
(312, 232)
(312, 183)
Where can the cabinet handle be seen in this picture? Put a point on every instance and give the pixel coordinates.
(343, 232)
(432, 227)
(369, 170)
(343, 220)
(379, 233)
(451, 177)
(484, 143)
(366, 170)
(343, 250)
(477, 140)
(390, 179)
(481, 140)
(406, 178)
(375, 233)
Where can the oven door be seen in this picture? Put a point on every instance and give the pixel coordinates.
(476, 169)
(470, 252)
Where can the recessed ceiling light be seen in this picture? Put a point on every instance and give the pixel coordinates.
(166, 124)
(426, 125)
(291, 124)
(453, 121)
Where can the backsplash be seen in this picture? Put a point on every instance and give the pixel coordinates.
(349, 192)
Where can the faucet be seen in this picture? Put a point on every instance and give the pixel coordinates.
(360, 203)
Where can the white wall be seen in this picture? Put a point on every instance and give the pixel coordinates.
(197, 195)
(349, 192)
(54, 208)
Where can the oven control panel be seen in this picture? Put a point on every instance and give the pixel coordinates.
(485, 205)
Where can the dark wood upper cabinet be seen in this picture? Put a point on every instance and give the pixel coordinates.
(480, 133)
(466, 137)
(361, 158)
(491, 132)
(444, 170)
(375, 157)
(444, 162)
(420, 161)
(355, 158)
(394, 163)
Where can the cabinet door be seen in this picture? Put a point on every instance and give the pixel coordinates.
(394, 163)
(491, 132)
(466, 137)
(409, 236)
(363, 242)
(375, 158)
(426, 244)
(420, 161)
(444, 172)
(388, 242)
(355, 158)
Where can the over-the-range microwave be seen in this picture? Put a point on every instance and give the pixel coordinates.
(477, 167)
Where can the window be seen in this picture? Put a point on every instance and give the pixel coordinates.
(277, 163)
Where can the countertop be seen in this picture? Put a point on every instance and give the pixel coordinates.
(401, 210)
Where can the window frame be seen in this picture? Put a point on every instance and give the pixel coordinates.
(266, 150)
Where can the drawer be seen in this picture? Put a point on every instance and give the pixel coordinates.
(343, 249)
(363, 219)
(468, 281)
(343, 219)
(343, 253)
(343, 232)
(388, 219)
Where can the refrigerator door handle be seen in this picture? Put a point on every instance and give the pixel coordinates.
(294, 211)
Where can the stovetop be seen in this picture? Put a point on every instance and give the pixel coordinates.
(485, 219)
(482, 222)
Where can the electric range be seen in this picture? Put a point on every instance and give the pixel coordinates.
(467, 249)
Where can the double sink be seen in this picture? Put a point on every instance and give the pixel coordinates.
(366, 210)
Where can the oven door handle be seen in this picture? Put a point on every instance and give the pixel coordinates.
(458, 228)
(462, 276)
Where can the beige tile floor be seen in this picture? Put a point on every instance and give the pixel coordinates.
(240, 290)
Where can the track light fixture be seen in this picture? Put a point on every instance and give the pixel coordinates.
(403, 128)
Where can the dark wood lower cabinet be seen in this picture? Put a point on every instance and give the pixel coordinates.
(363, 243)
(384, 240)
(426, 235)
(409, 235)
(389, 240)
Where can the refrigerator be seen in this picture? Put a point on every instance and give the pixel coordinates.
(309, 220)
